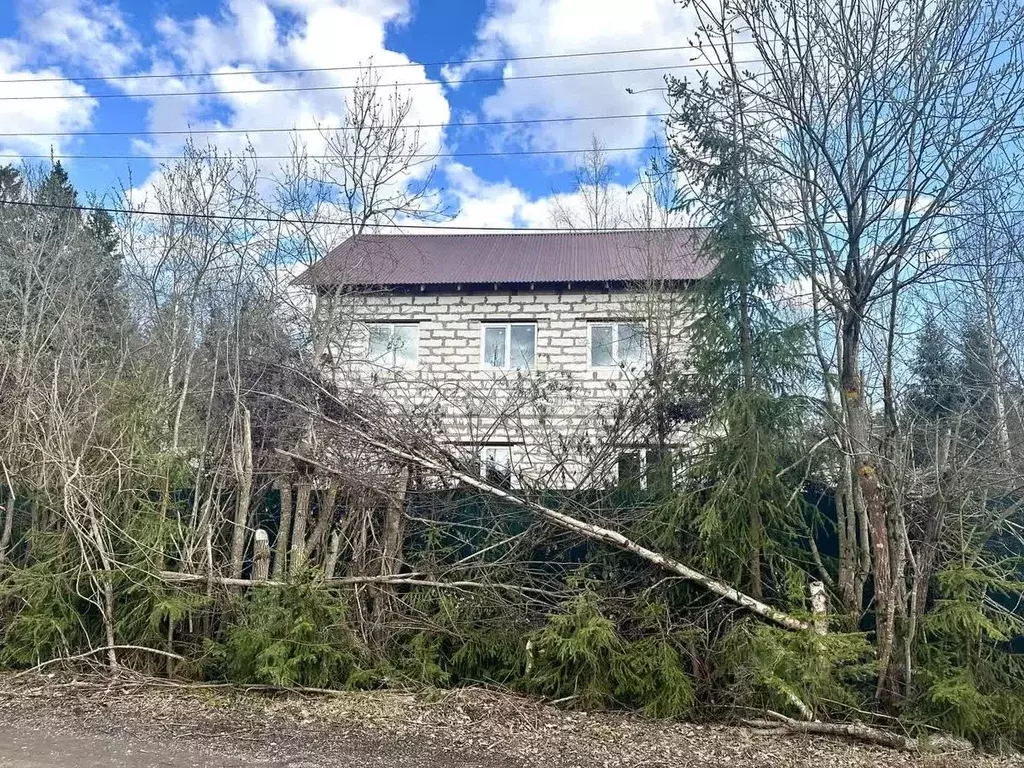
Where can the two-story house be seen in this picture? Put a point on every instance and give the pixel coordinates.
(530, 353)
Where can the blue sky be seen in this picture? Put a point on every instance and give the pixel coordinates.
(63, 49)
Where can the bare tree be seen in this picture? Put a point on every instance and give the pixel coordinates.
(592, 205)
(376, 169)
(874, 122)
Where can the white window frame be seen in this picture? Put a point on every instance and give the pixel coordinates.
(509, 454)
(390, 360)
(508, 326)
(616, 364)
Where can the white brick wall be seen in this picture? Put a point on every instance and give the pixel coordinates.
(477, 405)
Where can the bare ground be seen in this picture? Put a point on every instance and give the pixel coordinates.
(82, 723)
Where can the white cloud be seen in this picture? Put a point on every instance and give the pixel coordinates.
(484, 203)
(487, 204)
(522, 28)
(93, 35)
(246, 30)
(46, 114)
(279, 35)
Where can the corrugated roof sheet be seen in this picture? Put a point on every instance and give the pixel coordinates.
(528, 257)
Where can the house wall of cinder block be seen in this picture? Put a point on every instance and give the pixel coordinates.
(553, 417)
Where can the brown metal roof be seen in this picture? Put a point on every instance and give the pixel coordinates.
(528, 257)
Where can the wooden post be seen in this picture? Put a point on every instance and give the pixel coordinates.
(283, 530)
(261, 556)
(298, 552)
(819, 608)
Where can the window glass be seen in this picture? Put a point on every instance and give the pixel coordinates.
(497, 465)
(523, 346)
(403, 342)
(631, 343)
(380, 340)
(494, 345)
(601, 344)
(393, 344)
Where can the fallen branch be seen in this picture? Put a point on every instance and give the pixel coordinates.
(589, 530)
(176, 577)
(94, 651)
(855, 731)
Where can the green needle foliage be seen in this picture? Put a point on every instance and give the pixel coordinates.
(746, 356)
(761, 666)
(47, 617)
(580, 655)
(294, 635)
(970, 685)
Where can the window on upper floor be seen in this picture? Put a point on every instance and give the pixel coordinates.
(393, 345)
(509, 346)
(617, 345)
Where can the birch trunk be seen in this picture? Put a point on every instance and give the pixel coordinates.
(8, 529)
(331, 565)
(242, 458)
(394, 527)
(325, 516)
(995, 373)
(595, 532)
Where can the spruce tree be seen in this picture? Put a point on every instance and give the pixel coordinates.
(57, 189)
(937, 390)
(744, 356)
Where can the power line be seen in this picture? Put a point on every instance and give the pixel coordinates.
(351, 67)
(282, 220)
(325, 129)
(386, 225)
(309, 88)
(420, 155)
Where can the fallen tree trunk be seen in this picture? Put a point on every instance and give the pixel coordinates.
(589, 530)
(855, 731)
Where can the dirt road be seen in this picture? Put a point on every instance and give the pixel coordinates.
(78, 723)
(34, 746)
